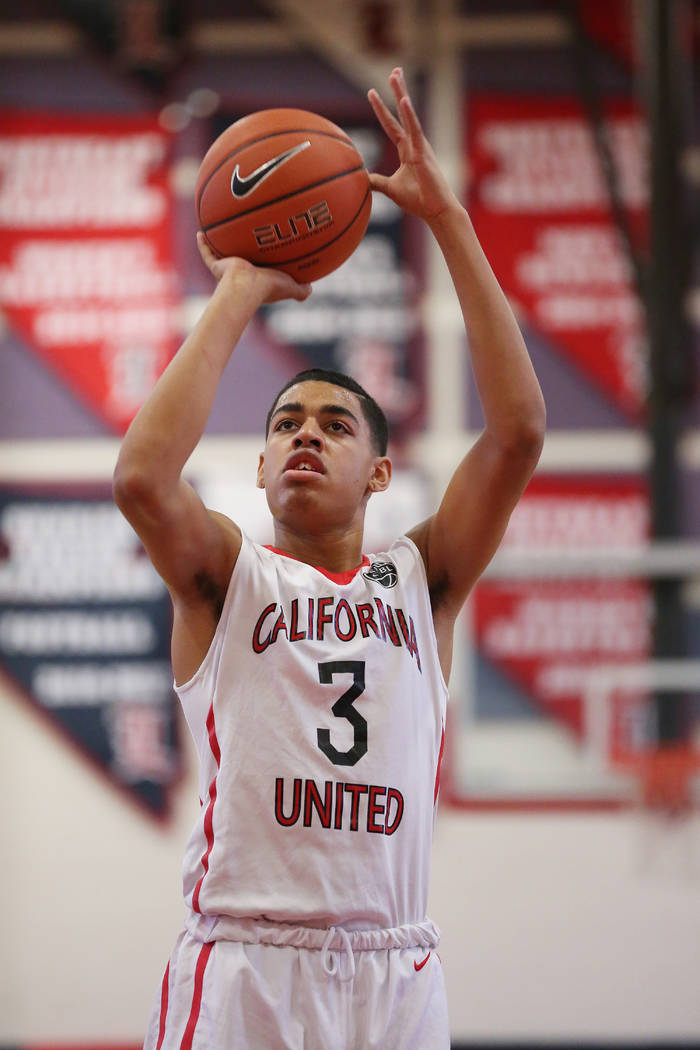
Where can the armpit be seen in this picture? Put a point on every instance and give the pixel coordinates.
(210, 592)
(438, 591)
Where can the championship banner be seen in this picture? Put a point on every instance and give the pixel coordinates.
(546, 635)
(363, 319)
(84, 632)
(540, 208)
(87, 274)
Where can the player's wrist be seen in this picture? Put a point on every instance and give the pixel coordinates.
(453, 213)
(243, 286)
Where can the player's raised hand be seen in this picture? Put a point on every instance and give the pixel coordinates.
(418, 185)
(272, 284)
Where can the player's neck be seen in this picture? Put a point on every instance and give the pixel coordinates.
(336, 552)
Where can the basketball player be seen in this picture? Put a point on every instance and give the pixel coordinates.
(312, 675)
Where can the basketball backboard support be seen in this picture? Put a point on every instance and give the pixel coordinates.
(518, 757)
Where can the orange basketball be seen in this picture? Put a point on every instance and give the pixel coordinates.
(284, 188)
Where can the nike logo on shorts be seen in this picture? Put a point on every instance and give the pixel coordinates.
(242, 185)
(420, 965)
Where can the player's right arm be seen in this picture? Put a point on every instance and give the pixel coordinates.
(193, 549)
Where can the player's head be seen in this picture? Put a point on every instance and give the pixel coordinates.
(325, 453)
(376, 420)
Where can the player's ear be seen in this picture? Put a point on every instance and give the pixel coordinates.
(381, 474)
(261, 472)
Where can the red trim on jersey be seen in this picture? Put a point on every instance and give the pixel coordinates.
(336, 577)
(202, 961)
(213, 742)
(209, 815)
(163, 1007)
(437, 775)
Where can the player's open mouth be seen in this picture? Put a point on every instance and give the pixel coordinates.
(304, 461)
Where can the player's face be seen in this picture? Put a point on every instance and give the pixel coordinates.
(319, 466)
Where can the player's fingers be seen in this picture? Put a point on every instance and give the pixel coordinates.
(301, 290)
(385, 117)
(401, 79)
(413, 132)
(283, 286)
(410, 121)
(397, 82)
(208, 257)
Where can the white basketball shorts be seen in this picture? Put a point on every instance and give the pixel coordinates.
(336, 995)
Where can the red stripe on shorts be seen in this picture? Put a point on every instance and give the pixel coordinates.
(209, 815)
(202, 961)
(163, 1007)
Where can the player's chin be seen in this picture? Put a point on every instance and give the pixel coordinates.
(307, 505)
(295, 496)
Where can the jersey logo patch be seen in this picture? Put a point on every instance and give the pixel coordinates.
(383, 572)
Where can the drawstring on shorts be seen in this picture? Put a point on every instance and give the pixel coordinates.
(329, 959)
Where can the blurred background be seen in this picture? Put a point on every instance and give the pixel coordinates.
(566, 874)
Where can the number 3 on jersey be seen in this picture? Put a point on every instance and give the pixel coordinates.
(343, 708)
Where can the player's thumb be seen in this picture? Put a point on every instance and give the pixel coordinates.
(379, 182)
(208, 258)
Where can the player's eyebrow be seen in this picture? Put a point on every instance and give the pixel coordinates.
(296, 407)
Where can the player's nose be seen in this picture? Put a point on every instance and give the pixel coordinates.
(309, 433)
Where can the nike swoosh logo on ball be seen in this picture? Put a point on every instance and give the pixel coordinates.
(242, 185)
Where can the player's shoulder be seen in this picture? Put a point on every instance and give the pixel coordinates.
(248, 550)
(225, 522)
(400, 561)
(229, 542)
(229, 530)
(407, 548)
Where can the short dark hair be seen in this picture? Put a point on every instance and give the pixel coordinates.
(379, 428)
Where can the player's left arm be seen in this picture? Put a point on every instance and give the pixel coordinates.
(459, 540)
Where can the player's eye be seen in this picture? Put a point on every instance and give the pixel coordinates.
(285, 424)
(337, 426)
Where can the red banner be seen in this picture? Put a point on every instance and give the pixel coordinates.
(540, 206)
(87, 275)
(547, 634)
(612, 24)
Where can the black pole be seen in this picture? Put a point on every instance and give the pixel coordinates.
(583, 51)
(669, 340)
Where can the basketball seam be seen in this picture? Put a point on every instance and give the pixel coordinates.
(284, 197)
(319, 248)
(263, 138)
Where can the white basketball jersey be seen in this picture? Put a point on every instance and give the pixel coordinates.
(318, 715)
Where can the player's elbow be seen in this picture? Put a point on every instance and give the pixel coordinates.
(531, 436)
(523, 439)
(132, 487)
